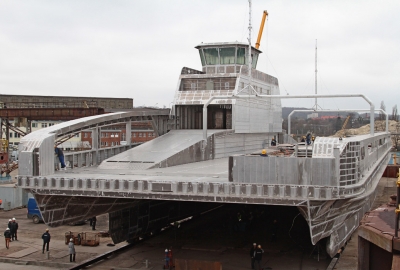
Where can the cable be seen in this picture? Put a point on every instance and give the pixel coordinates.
(290, 231)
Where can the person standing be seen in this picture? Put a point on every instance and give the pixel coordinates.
(264, 153)
(7, 236)
(14, 229)
(253, 254)
(94, 220)
(46, 240)
(273, 142)
(258, 257)
(60, 155)
(71, 248)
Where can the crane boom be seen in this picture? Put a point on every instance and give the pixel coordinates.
(265, 14)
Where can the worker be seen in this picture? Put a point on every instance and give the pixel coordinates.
(308, 138)
(168, 262)
(7, 236)
(313, 138)
(59, 153)
(94, 220)
(71, 248)
(14, 229)
(303, 139)
(46, 240)
(253, 254)
(264, 153)
(258, 257)
(273, 142)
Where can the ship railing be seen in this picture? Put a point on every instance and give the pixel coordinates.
(285, 194)
(92, 157)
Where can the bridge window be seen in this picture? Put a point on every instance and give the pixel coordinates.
(227, 55)
(211, 56)
(254, 60)
(203, 62)
(227, 85)
(240, 56)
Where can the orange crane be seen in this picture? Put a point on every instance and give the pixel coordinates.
(265, 14)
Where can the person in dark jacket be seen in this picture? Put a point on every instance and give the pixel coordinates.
(9, 223)
(60, 155)
(253, 254)
(14, 229)
(94, 220)
(46, 240)
(258, 257)
(7, 236)
(273, 142)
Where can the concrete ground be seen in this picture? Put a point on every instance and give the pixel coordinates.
(28, 248)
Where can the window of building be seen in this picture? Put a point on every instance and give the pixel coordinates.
(106, 143)
(108, 134)
(211, 56)
(227, 55)
(116, 135)
(112, 143)
(134, 135)
(85, 135)
(140, 134)
(77, 135)
(203, 62)
(34, 125)
(240, 55)
(144, 135)
(102, 135)
(44, 125)
(11, 135)
(154, 134)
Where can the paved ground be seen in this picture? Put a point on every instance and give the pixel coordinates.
(28, 248)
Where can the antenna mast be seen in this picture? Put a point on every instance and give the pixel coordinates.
(316, 104)
(249, 56)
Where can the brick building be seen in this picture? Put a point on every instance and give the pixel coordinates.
(116, 135)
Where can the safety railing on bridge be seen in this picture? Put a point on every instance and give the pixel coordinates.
(88, 158)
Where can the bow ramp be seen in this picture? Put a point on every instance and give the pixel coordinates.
(174, 148)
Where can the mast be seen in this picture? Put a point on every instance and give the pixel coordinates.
(249, 56)
(316, 104)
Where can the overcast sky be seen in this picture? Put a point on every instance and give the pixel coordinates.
(136, 49)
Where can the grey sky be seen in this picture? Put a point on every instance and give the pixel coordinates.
(136, 49)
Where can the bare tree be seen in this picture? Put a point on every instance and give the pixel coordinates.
(383, 107)
(395, 115)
